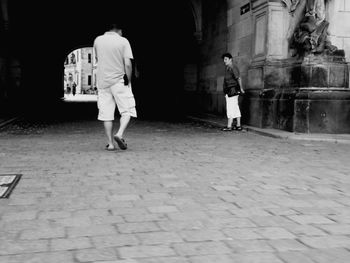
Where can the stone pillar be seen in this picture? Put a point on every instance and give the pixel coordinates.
(270, 27)
(322, 98)
(270, 47)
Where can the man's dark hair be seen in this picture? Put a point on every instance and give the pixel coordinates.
(226, 55)
(115, 25)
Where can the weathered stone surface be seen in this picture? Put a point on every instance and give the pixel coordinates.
(292, 207)
(286, 95)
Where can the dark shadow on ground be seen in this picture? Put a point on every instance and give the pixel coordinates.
(63, 111)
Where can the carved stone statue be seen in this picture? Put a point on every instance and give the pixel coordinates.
(294, 5)
(311, 34)
(291, 4)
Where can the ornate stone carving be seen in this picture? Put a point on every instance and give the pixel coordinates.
(291, 5)
(311, 35)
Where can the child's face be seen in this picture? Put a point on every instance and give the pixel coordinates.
(227, 61)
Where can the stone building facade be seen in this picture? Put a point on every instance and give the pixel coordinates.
(79, 71)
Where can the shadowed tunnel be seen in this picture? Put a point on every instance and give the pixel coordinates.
(161, 35)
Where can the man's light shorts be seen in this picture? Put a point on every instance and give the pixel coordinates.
(232, 108)
(117, 95)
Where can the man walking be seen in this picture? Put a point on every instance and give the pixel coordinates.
(114, 68)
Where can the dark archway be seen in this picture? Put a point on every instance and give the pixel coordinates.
(166, 45)
(161, 35)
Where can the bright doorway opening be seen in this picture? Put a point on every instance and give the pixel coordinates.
(79, 83)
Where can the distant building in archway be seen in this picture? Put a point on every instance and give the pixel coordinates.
(79, 71)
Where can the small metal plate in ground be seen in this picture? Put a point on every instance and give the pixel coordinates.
(8, 183)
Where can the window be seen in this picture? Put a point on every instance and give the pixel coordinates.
(70, 77)
(89, 58)
(89, 80)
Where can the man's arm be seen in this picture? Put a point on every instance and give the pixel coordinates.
(240, 84)
(128, 68)
(237, 76)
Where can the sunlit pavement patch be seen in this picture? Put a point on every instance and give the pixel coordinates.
(8, 183)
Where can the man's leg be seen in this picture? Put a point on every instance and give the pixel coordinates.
(126, 105)
(229, 122)
(238, 121)
(106, 108)
(108, 125)
(229, 111)
(124, 121)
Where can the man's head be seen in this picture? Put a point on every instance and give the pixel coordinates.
(115, 27)
(227, 57)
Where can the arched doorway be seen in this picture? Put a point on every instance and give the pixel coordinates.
(162, 36)
(163, 43)
(79, 75)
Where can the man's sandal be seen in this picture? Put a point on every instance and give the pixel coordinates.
(121, 142)
(108, 148)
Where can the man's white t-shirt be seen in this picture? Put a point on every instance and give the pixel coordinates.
(111, 49)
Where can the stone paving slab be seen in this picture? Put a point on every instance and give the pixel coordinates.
(182, 192)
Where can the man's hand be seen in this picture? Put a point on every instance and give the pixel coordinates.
(126, 80)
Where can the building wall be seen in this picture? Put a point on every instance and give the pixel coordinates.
(275, 76)
(71, 72)
(86, 70)
(257, 34)
(339, 17)
(224, 29)
(212, 42)
(263, 34)
(240, 34)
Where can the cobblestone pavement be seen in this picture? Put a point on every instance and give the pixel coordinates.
(182, 192)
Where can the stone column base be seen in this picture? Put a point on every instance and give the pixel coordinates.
(309, 96)
(322, 111)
